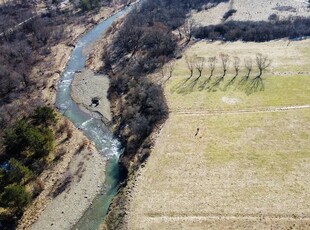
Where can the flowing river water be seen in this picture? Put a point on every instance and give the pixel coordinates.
(92, 127)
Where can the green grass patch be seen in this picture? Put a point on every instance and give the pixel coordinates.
(285, 82)
(273, 143)
(278, 92)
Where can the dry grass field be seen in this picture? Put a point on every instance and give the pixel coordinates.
(249, 10)
(286, 81)
(248, 166)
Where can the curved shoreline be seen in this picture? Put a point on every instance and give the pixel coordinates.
(86, 86)
(34, 215)
(105, 141)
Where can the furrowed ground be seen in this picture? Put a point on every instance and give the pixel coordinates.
(248, 165)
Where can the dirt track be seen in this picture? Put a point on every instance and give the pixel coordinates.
(217, 165)
(241, 111)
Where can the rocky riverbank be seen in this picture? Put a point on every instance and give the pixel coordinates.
(90, 91)
(79, 161)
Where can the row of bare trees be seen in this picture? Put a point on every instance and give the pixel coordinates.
(199, 64)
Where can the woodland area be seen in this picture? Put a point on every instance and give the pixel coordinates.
(21, 49)
(26, 38)
(27, 127)
(293, 28)
(145, 42)
(148, 38)
(27, 145)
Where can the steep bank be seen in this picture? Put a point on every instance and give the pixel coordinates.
(83, 166)
(119, 208)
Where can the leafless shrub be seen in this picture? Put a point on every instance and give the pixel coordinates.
(38, 187)
(199, 65)
(82, 146)
(63, 184)
(190, 63)
(236, 64)
(59, 153)
(262, 63)
(224, 58)
(168, 69)
(212, 62)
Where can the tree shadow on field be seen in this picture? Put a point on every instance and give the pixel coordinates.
(255, 85)
(181, 85)
(204, 84)
(243, 82)
(215, 85)
(230, 83)
(185, 88)
(246, 84)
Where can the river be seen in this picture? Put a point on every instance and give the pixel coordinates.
(92, 127)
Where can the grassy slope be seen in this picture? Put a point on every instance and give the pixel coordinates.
(289, 63)
(242, 170)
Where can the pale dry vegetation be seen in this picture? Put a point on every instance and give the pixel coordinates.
(225, 158)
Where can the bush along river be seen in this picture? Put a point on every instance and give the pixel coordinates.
(92, 127)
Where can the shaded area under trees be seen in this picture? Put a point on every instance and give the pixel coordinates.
(246, 83)
(294, 27)
(27, 144)
(145, 42)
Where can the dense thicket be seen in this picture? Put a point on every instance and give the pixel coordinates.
(144, 42)
(86, 5)
(147, 34)
(26, 39)
(255, 31)
(22, 48)
(27, 144)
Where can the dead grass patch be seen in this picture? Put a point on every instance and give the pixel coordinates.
(241, 170)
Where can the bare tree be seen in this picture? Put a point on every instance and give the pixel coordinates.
(262, 62)
(257, 84)
(169, 68)
(236, 64)
(190, 63)
(225, 63)
(199, 65)
(212, 62)
(187, 28)
(224, 58)
(248, 64)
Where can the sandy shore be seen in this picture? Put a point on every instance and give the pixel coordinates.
(88, 171)
(86, 85)
(87, 168)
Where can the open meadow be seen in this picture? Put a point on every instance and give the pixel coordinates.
(235, 152)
